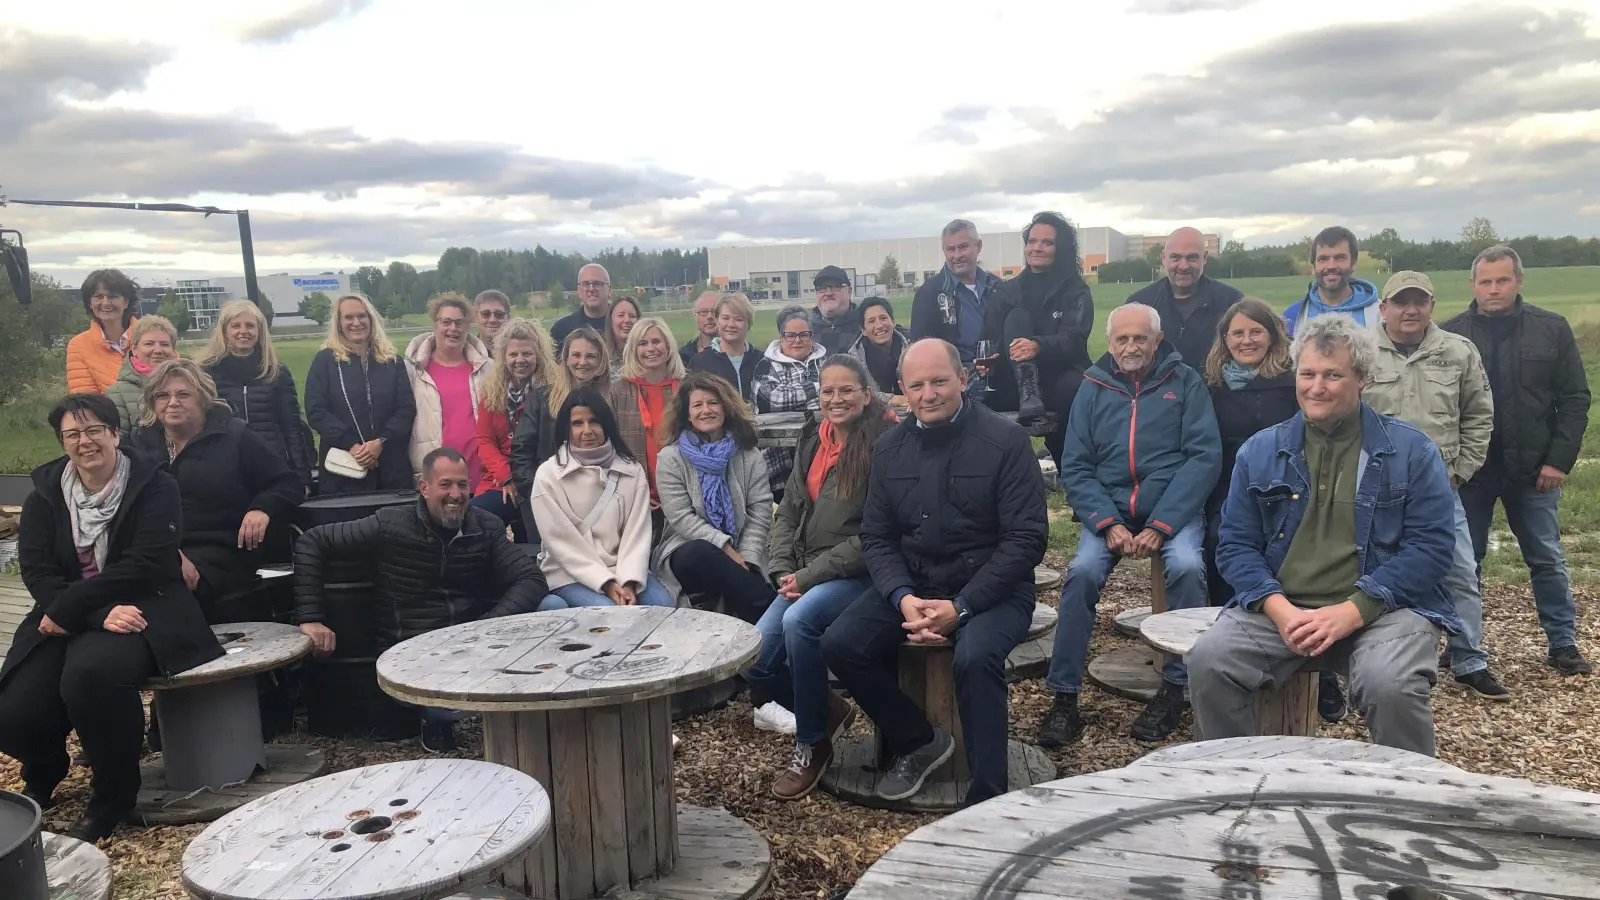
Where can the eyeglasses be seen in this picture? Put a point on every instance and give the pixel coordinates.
(844, 393)
(491, 314)
(593, 285)
(451, 323)
(797, 335)
(162, 397)
(93, 433)
(829, 288)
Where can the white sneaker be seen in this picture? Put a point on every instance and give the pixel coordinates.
(773, 717)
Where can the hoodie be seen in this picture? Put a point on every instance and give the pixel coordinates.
(783, 384)
(1362, 305)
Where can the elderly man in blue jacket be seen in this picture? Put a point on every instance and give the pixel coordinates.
(1337, 534)
(1142, 454)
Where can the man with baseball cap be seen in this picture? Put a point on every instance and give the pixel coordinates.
(1435, 380)
(835, 322)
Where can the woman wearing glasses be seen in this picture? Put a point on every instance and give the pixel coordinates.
(111, 300)
(786, 381)
(358, 399)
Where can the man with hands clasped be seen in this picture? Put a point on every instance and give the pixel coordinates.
(1337, 535)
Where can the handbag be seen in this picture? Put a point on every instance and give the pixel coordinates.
(340, 462)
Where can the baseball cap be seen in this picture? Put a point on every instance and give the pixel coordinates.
(1401, 280)
(830, 273)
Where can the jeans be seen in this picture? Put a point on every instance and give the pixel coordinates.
(703, 568)
(495, 502)
(1091, 566)
(1532, 517)
(1461, 582)
(573, 595)
(791, 651)
(862, 645)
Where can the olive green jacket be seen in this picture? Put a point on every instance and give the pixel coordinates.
(1441, 389)
(820, 541)
(127, 392)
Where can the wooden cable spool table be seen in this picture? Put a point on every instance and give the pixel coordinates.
(927, 675)
(1292, 747)
(581, 700)
(1273, 829)
(211, 742)
(414, 830)
(75, 870)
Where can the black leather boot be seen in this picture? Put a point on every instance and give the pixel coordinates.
(1030, 405)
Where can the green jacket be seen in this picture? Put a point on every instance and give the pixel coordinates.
(127, 392)
(1442, 390)
(819, 541)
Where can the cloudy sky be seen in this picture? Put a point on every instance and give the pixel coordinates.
(360, 131)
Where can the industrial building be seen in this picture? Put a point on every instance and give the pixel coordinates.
(205, 296)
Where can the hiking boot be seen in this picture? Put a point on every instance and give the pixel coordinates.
(1062, 724)
(804, 771)
(438, 737)
(97, 824)
(1484, 684)
(841, 713)
(1568, 661)
(771, 716)
(905, 777)
(1161, 715)
(1330, 699)
(1030, 405)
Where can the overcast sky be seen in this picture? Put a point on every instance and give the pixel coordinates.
(360, 131)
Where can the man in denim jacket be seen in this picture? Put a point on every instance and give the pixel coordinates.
(1336, 536)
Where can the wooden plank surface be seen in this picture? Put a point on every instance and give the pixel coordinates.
(592, 656)
(248, 648)
(1046, 578)
(399, 830)
(1176, 630)
(1128, 621)
(1288, 747)
(15, 604)
(720, 858)
(1273, 829)
(160, 805)
(74, 870)
(853, 776)
(1044, 619)
(1132, 672)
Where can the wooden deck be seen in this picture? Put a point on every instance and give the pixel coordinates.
(15, 603)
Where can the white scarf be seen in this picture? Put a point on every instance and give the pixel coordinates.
(91, 514)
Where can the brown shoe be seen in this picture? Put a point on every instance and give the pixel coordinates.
(841, 713)
(810, 761)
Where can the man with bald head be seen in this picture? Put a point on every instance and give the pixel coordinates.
(953, 527)
(1141, 457)
(594, 293)
(1191, 305)
(705, 319)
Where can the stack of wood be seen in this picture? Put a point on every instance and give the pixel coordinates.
(10, 521)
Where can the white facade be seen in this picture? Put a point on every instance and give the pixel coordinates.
(205, 296)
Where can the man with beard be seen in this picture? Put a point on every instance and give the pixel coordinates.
(705, 319)
(835, 321)
(1333, 261)
(950, 306)
(437, 563)
(1190, 304)
(1040, 321)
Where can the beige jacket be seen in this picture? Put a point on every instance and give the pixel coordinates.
(616, 547)
(678, 485)
(427, 434)
(1441, 389)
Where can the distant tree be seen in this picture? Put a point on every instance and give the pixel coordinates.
(369, 281)
(558, 294)
(267, 311)
(889, 272)
(1478, 234)
(53, 314)
(21, 360)
(317, 307)
(1233, 247)
(395, 308)
(174, 310)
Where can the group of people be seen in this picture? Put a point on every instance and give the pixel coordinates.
(1328, 475)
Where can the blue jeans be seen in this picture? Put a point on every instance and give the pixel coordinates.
(495, 502)
(1091, 566)
(571, 595)
(791, 638)
(1465, 648)
(1532, 517)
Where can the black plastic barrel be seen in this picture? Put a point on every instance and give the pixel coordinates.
(343, 700)
(21, 849)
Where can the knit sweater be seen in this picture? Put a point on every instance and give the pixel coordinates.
(1321, 567)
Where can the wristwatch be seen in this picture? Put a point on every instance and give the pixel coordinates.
(963, 615)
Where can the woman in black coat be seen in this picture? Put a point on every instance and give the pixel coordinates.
(99, 555)
(358, 398)
(241, 361)
(1251, 377)
(233, 484)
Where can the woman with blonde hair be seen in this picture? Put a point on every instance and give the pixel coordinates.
(521, 365)
(259, 390)
(152, 341)
(358, 400)
(583, 362)
(648, 379)
(730, 357)
(620, 322)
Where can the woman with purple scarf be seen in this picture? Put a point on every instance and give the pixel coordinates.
(715, 496)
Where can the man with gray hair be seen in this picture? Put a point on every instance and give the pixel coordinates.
(950, 305)
(1142, 455)
(1337, 536)
(493, 309)
(1541, 409)
(594, 299)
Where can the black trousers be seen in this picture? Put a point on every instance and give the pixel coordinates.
(1057, 386)
(703, 568)
(1218, 590)
(88, 682)
(861, 648)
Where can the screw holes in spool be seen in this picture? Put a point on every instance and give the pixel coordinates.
(332, 835)
(400, 802)
(371, 824)
(498, 646)
(571, 647)
(339, 848)
(650, 647)
(543, 666)
(379, 837)
(600, 629)
(406, 815)
(357, 814)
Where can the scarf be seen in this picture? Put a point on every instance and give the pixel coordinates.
(602, 456)
(91, 514)
(827, 457)
(1236, 376)
(649, 420)
(710, 461)
(142, 369)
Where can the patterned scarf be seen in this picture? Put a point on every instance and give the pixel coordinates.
(710, 461)
(92, 514)
(1236, 376)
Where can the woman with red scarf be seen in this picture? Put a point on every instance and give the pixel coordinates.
(650, 372)
(521, 365)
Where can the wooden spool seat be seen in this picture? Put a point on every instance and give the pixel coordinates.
(211, 744)
(927, 675)
(74, 870)
(1292, 747)
(1288, 709)
(1133, 672)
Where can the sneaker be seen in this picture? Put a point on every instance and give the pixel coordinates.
(1330, 699)
(841, 713)
(1161, 715)
(1568, 661)
(1061, 725)
(771, 716)
(1444, 660)
(905, 777)
(1484, 684)
(804, 771)
(674, 743)
(438, 737)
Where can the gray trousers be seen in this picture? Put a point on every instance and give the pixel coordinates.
(1392, 665)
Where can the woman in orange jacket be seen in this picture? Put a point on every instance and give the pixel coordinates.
(94, 357)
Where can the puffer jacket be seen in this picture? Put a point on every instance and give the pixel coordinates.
(783, 384)
(270, 408)
(422, 581)
(820, 541)
(127, 392)
(427, 434)
(92, 364)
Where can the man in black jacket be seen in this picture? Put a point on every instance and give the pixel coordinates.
(953, 526)
(950, 305)
(1191, 305)
(594, 295)
(1541, 408)
(835, 320)
(436, 564)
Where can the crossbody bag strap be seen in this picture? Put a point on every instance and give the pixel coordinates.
(606, 496)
